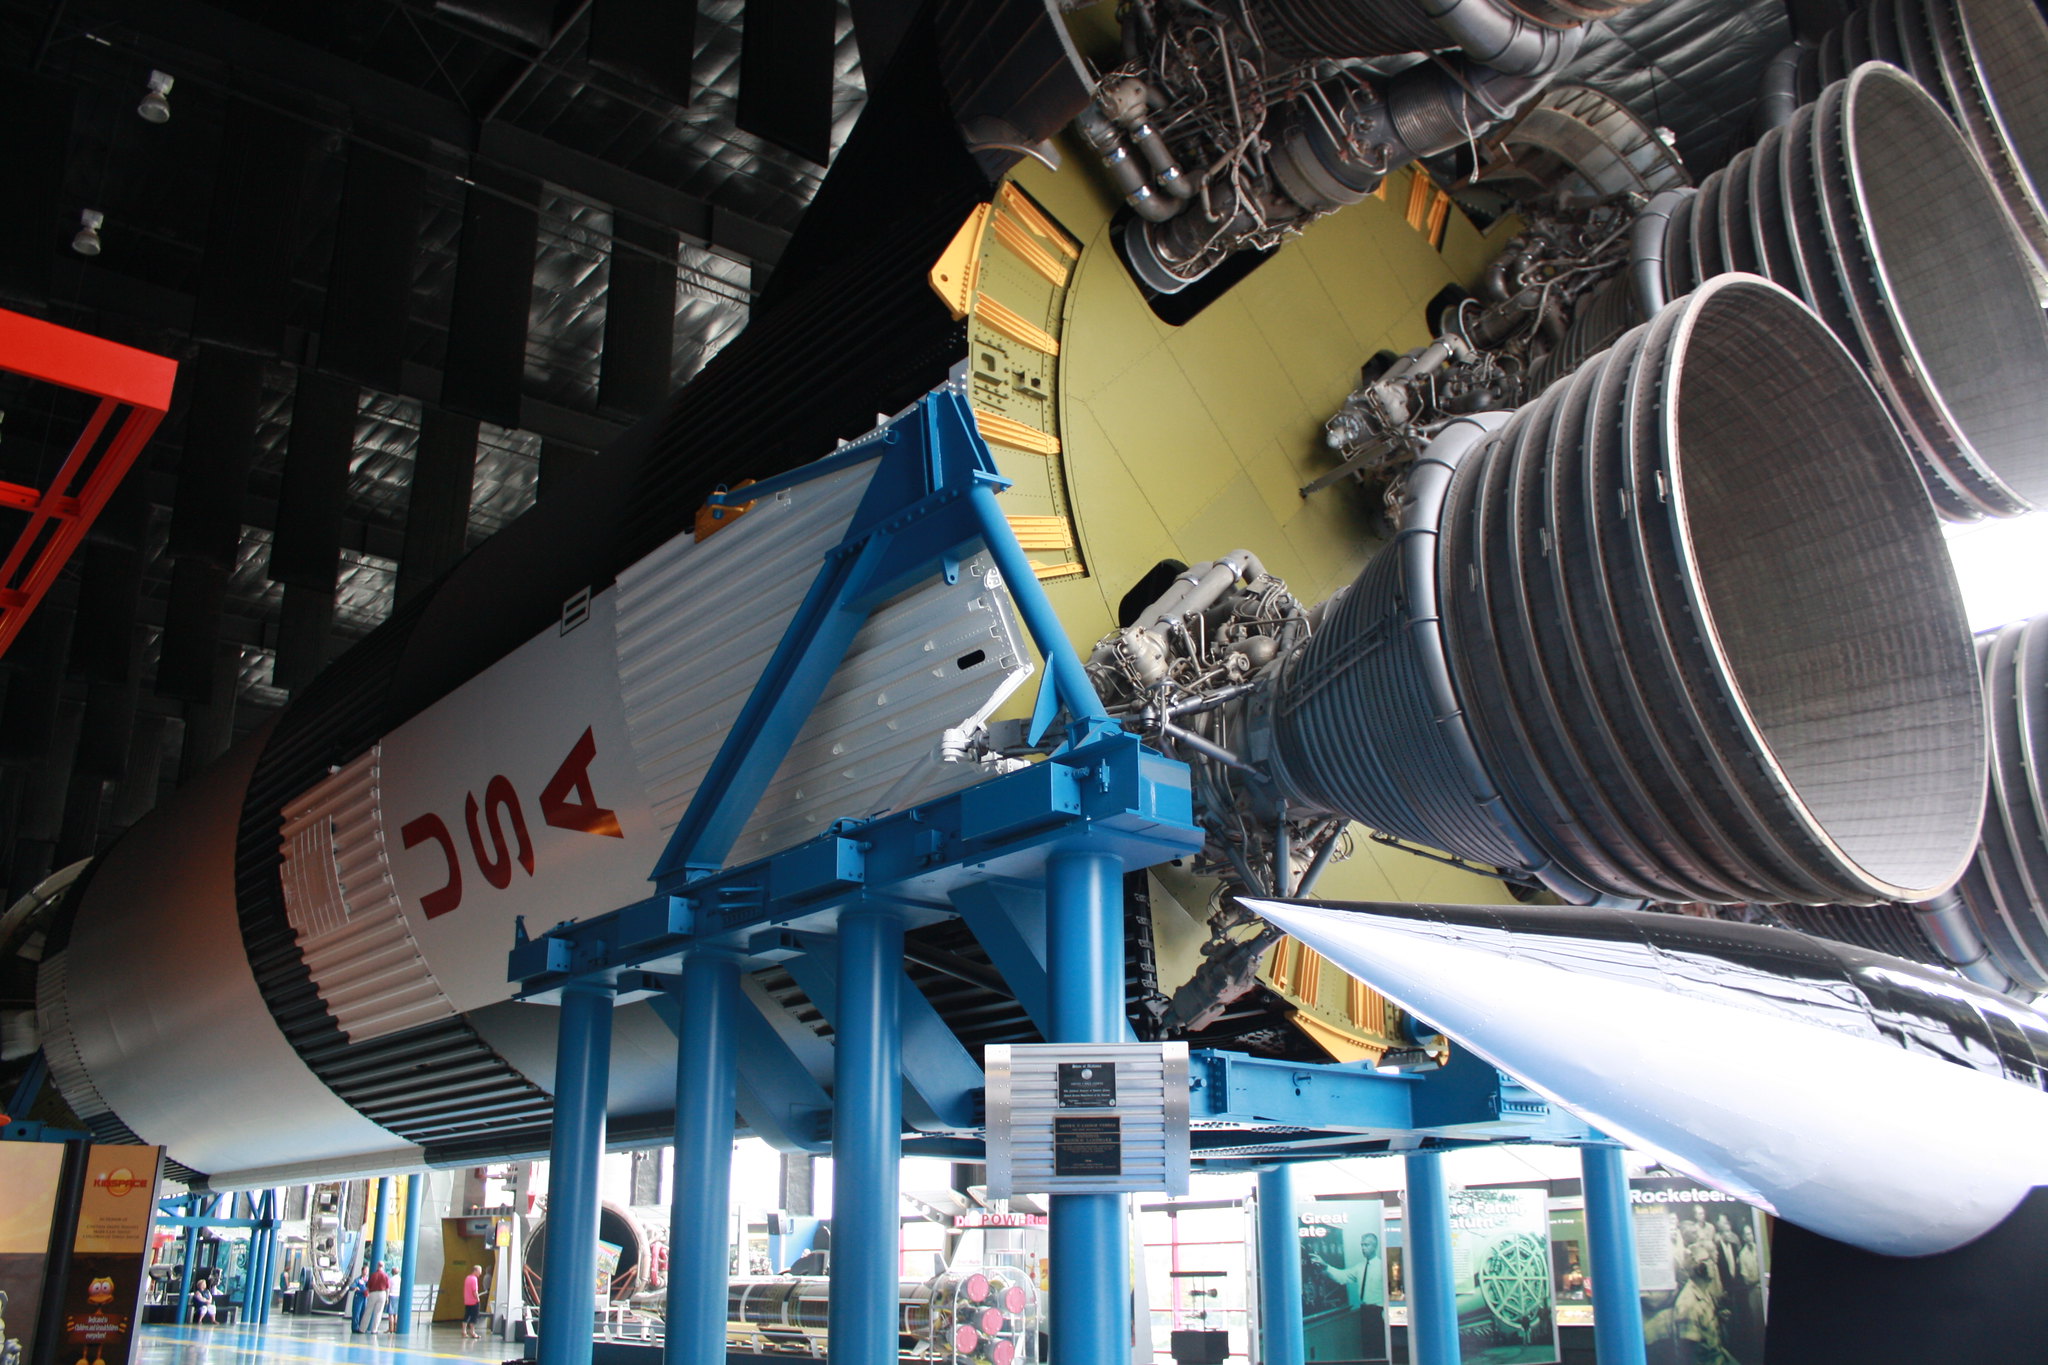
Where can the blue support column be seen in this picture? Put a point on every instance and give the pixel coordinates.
(256, 1280)
(380, 1223)
(867, 1139)
(263, 1297)
(409, 1257)
(1611, 1249)
(1280, 1270)
(707, 1045)
(185, 1273)
(583, 1063)
(1089, 1233)
(1426, 1256)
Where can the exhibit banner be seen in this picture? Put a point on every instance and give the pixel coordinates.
(110, 1253)
(1500, 1263)
(30, 1176)
(1571, 1289)
(1702, 1258)
(1343, 1278)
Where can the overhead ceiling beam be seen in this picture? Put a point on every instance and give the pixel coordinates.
(230, 45)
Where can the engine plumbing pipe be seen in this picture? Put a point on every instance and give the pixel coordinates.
(1124, 168)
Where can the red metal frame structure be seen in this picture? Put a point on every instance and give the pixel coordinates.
(134, 389)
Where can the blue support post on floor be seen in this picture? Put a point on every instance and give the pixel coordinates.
(1611, 1251)
(1280, 1270)
(409, 1256)
(1089, 1233)
(380, 1224)
(1426, 1242)
(270, 1251)
(867, 1138)
(256, 1280)
(583, 1062)
(708, 1002)
(185, 1274)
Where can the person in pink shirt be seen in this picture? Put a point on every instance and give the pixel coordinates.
(472, 1302)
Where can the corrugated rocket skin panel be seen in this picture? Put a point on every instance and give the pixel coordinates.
(166, 1016)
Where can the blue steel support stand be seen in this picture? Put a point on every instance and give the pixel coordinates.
(1280, 1270)
(1611, 1247)
(1426, 1238)
(1100, 801)
(867, 1139)
(708, 998)
(1089, 1233)
(583, 1063)
(409, 1253)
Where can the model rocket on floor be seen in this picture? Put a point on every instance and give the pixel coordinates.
(1884, 1104)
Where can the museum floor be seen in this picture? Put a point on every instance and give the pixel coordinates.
(323, 1340)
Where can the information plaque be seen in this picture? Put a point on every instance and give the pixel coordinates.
(1087, 1118)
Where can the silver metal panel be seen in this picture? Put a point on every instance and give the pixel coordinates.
(1151, 1104)
(403, 1160)
(697, 623)
(169, 1028)
(342, 904)
(938, 657)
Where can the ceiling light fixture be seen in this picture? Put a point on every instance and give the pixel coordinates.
(87, 242)
(155, 107)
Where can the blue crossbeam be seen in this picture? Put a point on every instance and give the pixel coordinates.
(1125, 798)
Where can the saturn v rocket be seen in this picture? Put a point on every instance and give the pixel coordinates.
(1665, 622)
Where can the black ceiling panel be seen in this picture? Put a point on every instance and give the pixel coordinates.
(437, 518)
(786, 75)
(312, 502)
(648, 42)
(639, 319)
(369, 288)
(35, 130)
(222, 388)
(493, 293)
(188, 665)
(245, 279)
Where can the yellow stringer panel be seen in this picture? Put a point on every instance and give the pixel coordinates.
(1357, 1024)
(1008, 431)
(1025, 248)
(1016, 202)
(1342, 1046)
(1439, 216)
(957, 273)
(1043, 533)
(1016, 328)
(1418, 200)
(1014, 355)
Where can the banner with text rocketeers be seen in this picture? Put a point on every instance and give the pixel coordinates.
(110, 1254)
